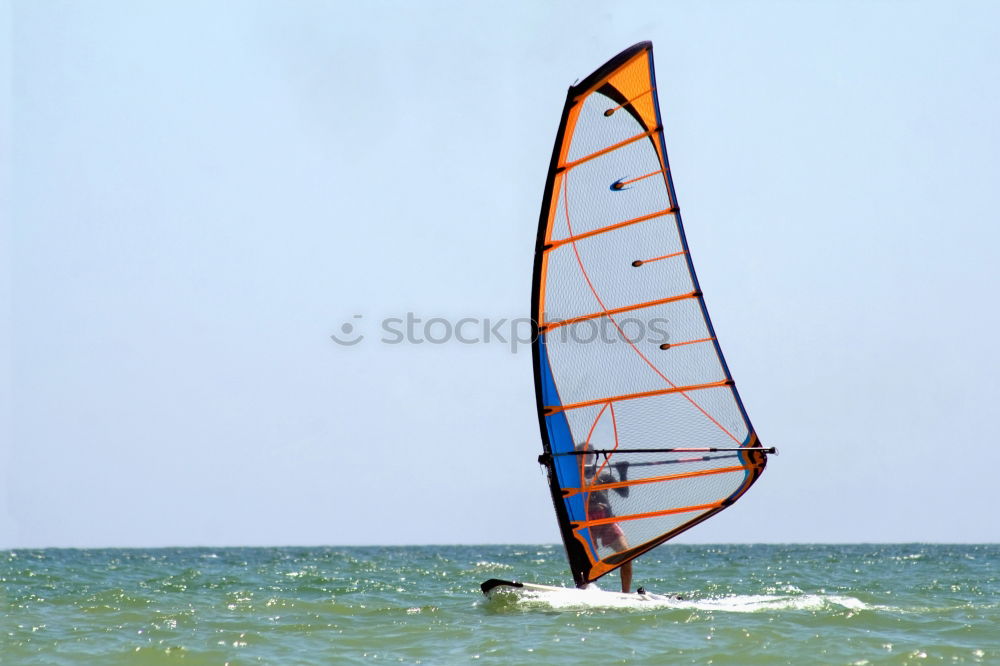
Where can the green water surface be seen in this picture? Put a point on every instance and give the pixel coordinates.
(756, 604)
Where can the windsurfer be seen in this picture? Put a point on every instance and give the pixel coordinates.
(610, 535)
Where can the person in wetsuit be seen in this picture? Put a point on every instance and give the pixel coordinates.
(599, 506)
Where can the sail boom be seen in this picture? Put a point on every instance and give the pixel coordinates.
(702, 449)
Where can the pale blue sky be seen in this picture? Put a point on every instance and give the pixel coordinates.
(199, 194)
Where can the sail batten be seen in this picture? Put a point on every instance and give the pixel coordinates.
(610, 227)
(649, 514)
(636, 396)
(653, 479)
(618, 315)
(549, 325)
(605, 151)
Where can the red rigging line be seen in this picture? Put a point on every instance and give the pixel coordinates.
(586, 446)
(593, 426)
(607, 457)
(609, 313)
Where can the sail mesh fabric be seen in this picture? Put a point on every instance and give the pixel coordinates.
(626, 356)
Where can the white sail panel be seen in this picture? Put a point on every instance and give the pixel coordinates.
(628, 369)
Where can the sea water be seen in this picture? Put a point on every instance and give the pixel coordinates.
(742, 604)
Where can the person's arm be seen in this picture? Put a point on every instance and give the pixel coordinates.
(622, 469)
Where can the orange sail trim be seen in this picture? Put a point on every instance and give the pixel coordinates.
(634, 85)
(634, 80)
(654, 479)
(649, 514)
(633, 396)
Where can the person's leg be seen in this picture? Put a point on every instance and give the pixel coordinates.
(627, 577)
(619, 545)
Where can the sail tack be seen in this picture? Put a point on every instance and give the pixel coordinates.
(629, 374)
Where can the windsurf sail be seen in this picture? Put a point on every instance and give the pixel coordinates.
(643, 431)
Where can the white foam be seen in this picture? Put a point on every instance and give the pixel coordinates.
(753, 603)
(571, 598)
(590, 598)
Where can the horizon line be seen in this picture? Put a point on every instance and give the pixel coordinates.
(495, 544)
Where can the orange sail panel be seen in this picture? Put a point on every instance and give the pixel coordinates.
(620, 384)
